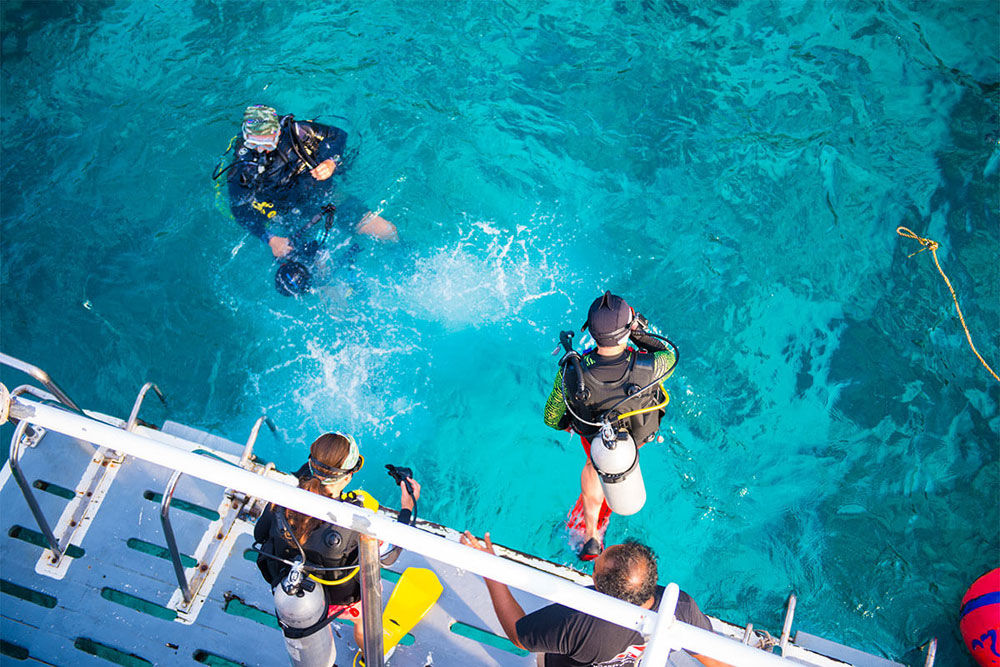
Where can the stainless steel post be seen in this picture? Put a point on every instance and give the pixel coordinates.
(371, 601)
(29, 496)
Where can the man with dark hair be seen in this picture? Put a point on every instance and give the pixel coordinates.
(629, 573)
(569, 638)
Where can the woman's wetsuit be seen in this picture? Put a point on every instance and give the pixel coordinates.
(326, 546)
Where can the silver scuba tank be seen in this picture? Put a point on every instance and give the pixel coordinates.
(616, 460)
(300, 603)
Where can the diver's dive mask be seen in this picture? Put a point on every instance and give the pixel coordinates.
(329, 475)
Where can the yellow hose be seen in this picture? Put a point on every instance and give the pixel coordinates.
(334, 582)
(649, 409)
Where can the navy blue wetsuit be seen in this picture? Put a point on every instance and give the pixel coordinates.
(266, 188)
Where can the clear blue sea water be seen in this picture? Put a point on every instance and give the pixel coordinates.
(736, 169)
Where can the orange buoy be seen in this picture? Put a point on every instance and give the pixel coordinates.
(979, 619)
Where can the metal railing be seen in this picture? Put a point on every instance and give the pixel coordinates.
(168, 493)
(41, 376)
(133, 418)
(665, 632)
(248, 448)
(168, 533)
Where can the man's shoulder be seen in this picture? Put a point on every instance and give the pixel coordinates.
(550, 615)
(559, 629)
(311, 127)
(687, 610)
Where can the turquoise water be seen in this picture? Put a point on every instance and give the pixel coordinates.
(737, 170)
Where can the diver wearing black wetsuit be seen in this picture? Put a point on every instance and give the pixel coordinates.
(280, 187)
(328, 546)
(264, 184)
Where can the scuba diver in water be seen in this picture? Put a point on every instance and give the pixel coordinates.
(280, 169)
(328, 552)
(613, 389)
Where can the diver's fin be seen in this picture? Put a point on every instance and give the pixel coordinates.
(575, 523)
(414, 594)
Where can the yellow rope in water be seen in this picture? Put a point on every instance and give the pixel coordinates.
(928, 244)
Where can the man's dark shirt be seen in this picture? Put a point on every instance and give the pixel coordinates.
(570, 638)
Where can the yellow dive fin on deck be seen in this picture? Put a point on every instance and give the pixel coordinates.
(415, 593)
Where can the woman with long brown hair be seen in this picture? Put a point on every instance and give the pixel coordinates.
(285, 535)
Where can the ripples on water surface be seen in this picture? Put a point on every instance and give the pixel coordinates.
(737, 171)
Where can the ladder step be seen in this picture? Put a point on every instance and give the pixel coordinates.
(80, 512)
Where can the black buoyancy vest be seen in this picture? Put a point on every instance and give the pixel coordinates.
(326, 546)
(610, 381)
(280, 167)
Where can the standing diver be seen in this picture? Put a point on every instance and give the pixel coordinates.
(612, 396)
(330, 553)
(281, 169)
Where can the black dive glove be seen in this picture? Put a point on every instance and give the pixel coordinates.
(644, 340)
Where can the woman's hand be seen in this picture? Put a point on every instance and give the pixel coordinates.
(406, 501)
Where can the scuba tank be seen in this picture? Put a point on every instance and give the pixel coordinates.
(616, 459)
(300, 605)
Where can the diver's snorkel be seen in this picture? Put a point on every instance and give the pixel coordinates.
(572, 357)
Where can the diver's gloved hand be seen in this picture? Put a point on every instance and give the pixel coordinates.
(640, 323)
(280, 246)
(647, 342)
(565, 423)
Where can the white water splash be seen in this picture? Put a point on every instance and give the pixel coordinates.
(487, 277)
